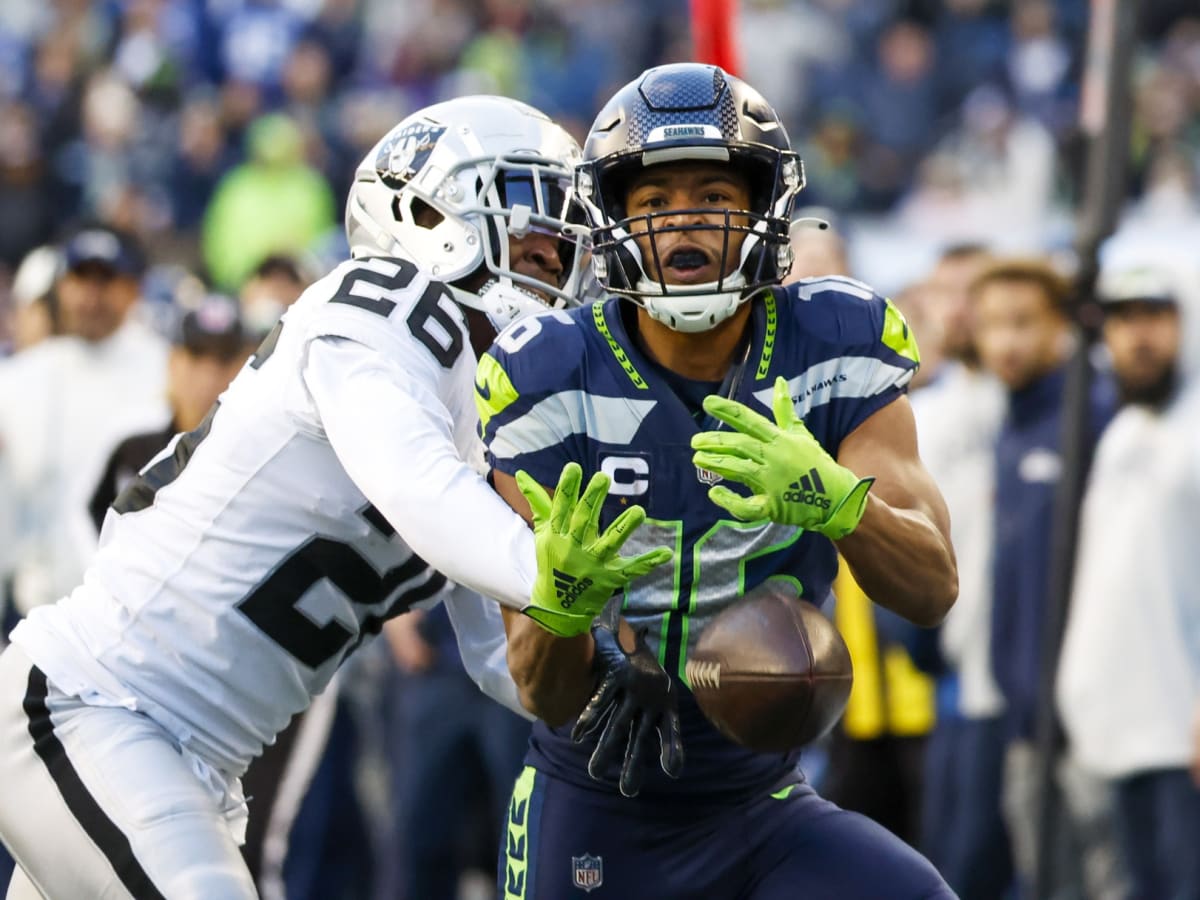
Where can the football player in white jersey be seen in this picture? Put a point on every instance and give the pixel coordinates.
(335, 484)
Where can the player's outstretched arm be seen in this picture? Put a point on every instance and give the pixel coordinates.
(569, 663)
(892, 526)
(550, 649)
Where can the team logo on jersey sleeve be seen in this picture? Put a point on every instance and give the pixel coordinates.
(587, 872)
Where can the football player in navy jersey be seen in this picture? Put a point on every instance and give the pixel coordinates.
(764, 429)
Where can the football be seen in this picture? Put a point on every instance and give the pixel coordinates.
(771, 672)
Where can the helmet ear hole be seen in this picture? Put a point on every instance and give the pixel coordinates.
(423, 214)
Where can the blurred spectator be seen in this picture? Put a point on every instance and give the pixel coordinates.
(958, 414)
(62, 403)
(25, 201)
(202, 157)
(1040, 66)
(1133, 727)
(1024, 338)
(899, 111)
(274, 202)
(275, 284)
(830, 151)
(254, 43)
(208, 348)
(451, 744)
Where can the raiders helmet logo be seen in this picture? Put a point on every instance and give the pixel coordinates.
(402, 157)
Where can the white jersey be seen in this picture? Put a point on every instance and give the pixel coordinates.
(254, 554)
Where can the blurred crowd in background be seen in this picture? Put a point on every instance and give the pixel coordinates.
(171, 178)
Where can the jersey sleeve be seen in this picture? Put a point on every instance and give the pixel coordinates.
(483, 646)
(525, 386)
(870, 354)
(393, 435)
(392, 307)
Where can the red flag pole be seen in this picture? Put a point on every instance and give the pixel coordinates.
(714, 33)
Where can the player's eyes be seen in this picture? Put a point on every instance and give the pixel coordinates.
(653, 203)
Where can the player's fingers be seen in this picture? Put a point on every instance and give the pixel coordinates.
(585, 519)
(638, 566)
(748, 509)
(671, 744)
(619, 531)
(535, 495)
(637, 756)
(744, 470)
(728, 443)
(565, 495)
(598, 708)
(740, 417)
(610, 748)
(782, 405)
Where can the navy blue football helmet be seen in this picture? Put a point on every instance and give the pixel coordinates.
(689, 111)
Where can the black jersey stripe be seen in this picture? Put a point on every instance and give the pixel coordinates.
(102, 831)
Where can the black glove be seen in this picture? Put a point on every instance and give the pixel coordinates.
(633, 699)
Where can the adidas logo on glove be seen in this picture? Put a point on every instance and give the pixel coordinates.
(567, 588)
(808, 490)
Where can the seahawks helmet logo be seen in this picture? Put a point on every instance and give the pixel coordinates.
(404, 153)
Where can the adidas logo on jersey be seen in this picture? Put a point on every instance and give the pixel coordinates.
(809, 490)
(568, 588)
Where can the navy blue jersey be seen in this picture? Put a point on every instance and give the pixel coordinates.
(573, 385)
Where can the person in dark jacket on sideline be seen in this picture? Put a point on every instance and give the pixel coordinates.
(1024, 338)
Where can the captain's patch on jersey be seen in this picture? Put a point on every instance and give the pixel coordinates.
(403, 156)
(629, 473)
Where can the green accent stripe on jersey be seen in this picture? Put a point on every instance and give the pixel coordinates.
(784, 793)
(494, 390)
(618, 352)
(768, 347)
(675, 525)
(516, 842)
(897, 335)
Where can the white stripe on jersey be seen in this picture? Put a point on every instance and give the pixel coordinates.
(612, 420)
(844, 376)
(807, 288)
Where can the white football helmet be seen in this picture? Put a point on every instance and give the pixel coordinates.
(489, 167)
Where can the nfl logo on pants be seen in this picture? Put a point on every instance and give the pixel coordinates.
(587, 872)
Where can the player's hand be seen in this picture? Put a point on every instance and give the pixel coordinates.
(634, 701)
(793, 478)
(579, 568)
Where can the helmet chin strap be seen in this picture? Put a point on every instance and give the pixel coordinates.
(501, 301)
(698, 308)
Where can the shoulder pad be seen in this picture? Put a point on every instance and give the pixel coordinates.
(848, 313)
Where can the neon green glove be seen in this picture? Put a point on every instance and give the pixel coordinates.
(579, 569)
(794, 479)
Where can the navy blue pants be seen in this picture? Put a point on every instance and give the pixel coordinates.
(565, 841)
(962, 830)
(450, 741)
(1158, 826)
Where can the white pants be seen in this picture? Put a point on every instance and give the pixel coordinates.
(99, 802)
